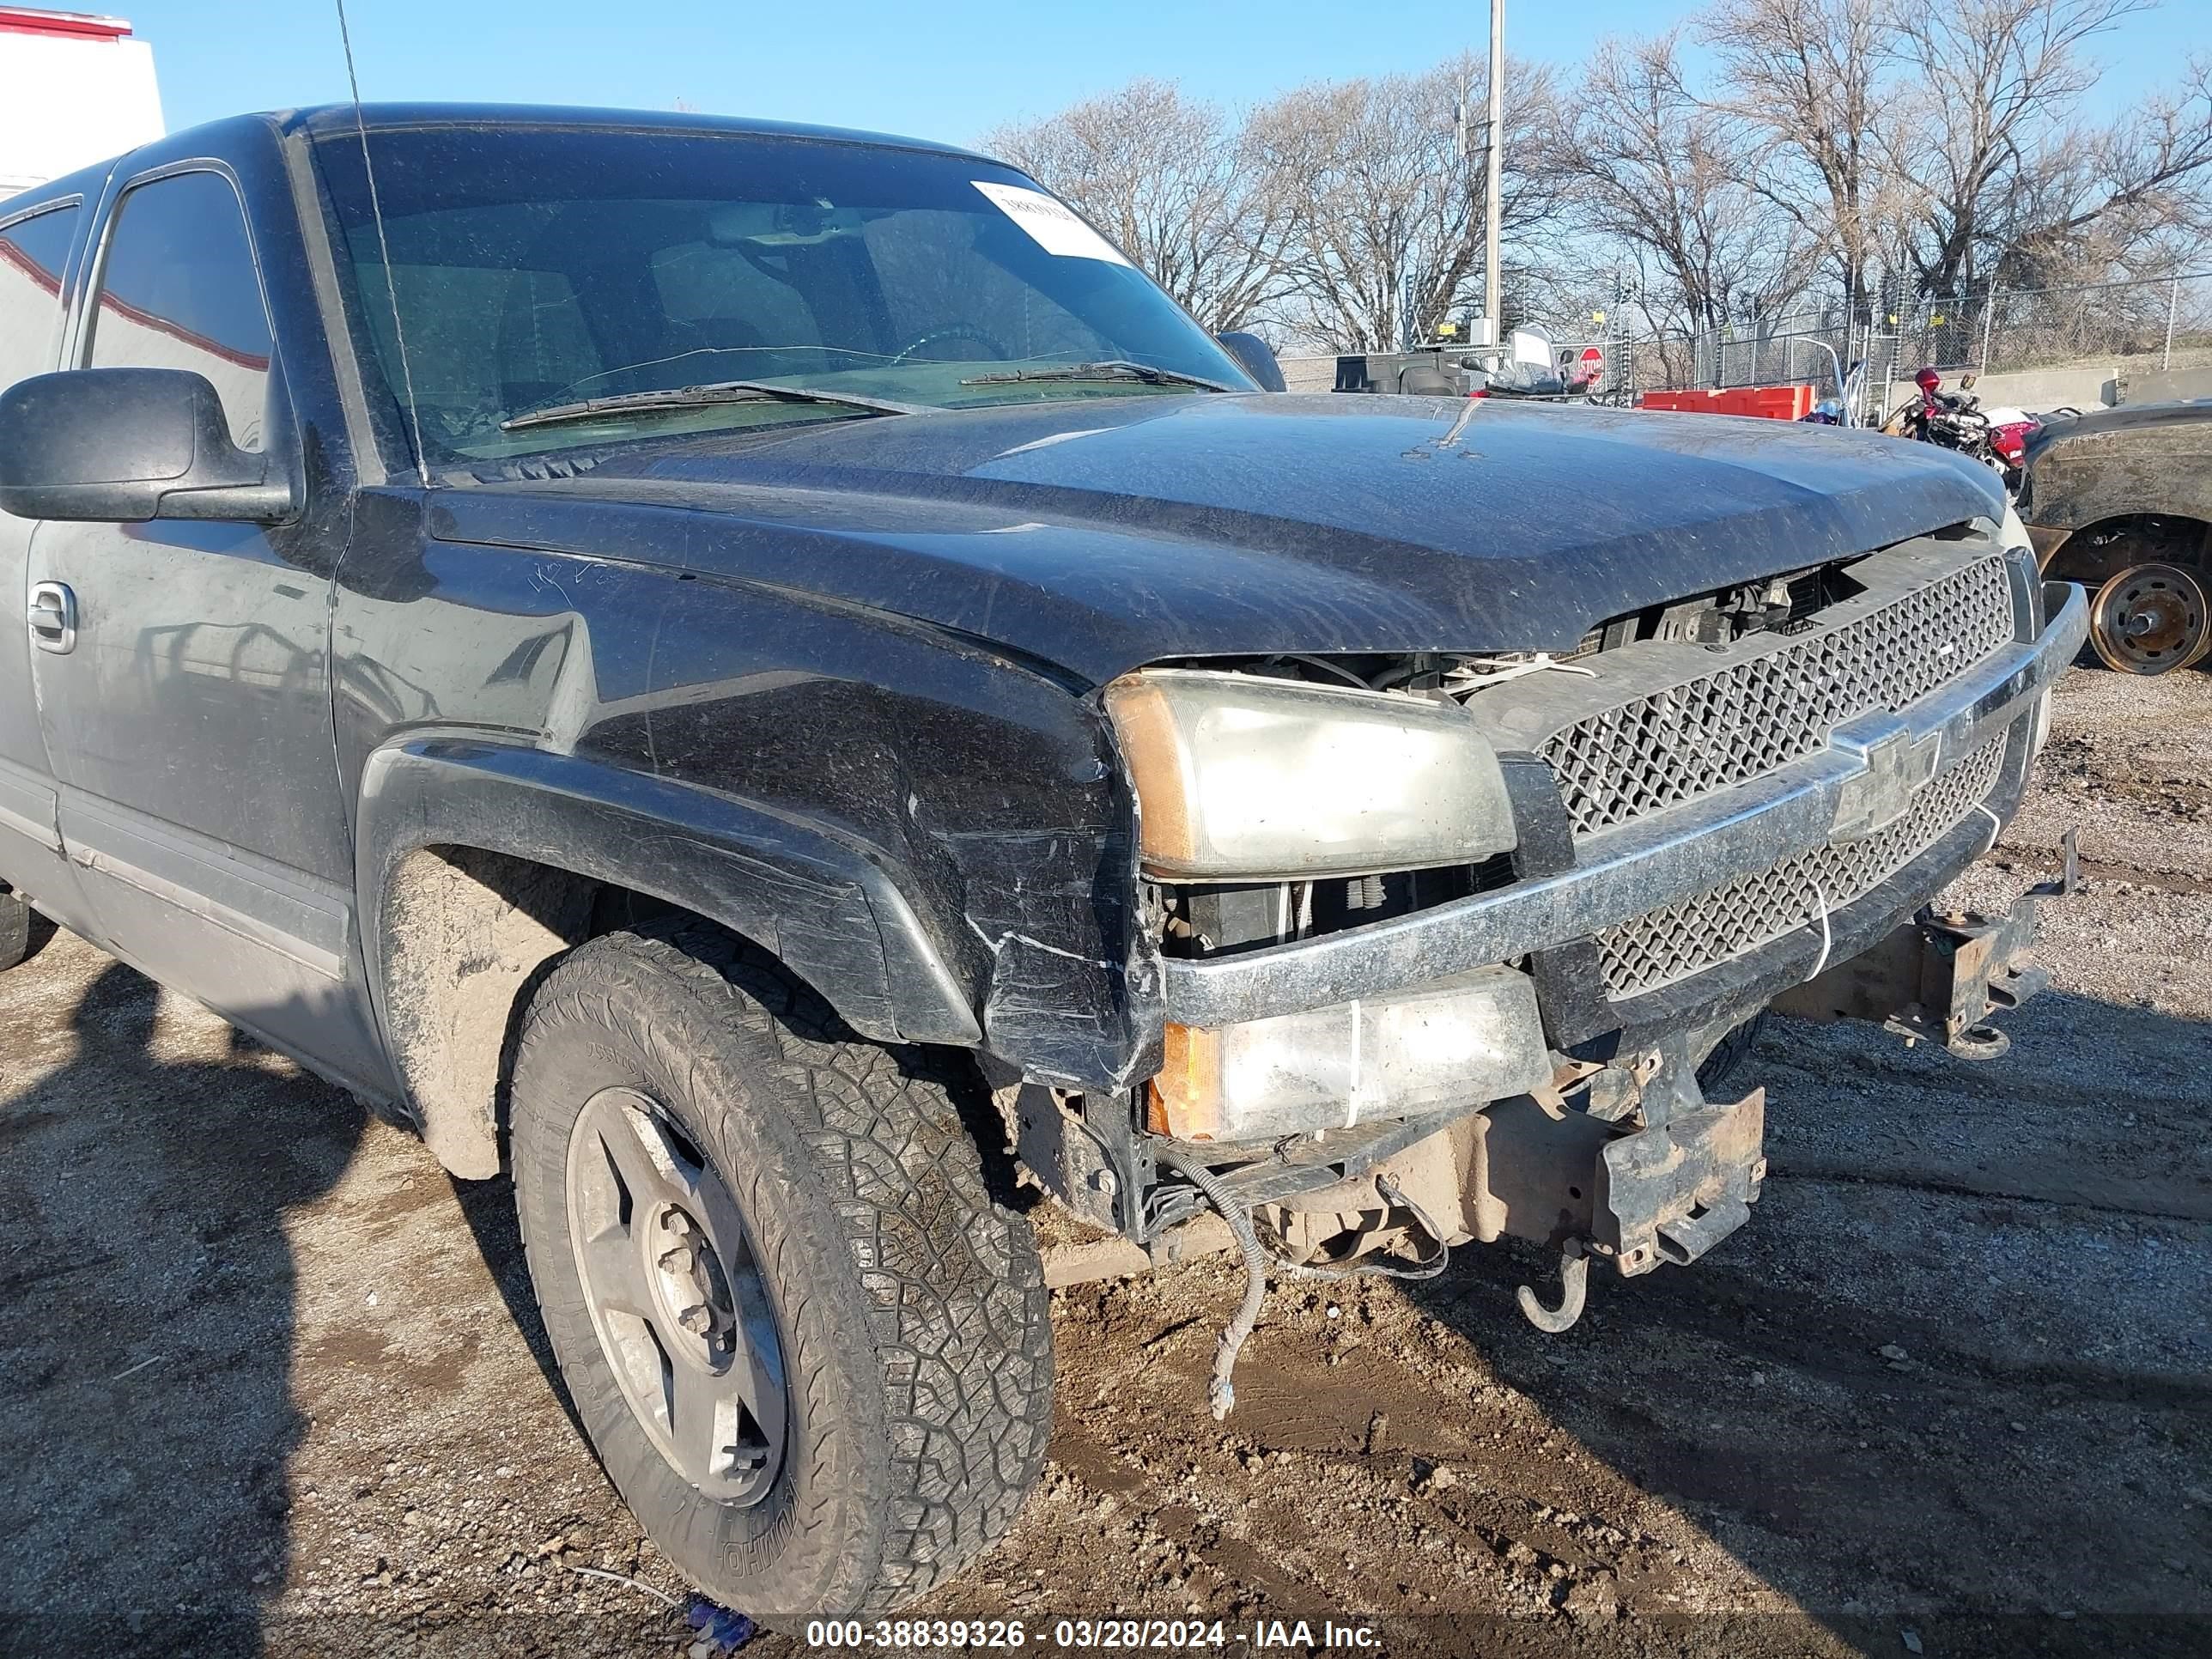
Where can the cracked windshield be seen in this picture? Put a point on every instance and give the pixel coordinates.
(565, 289)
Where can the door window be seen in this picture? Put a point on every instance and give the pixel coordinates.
(179, 290)
(31, 253)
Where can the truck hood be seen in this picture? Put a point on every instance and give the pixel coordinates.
(1103, 534)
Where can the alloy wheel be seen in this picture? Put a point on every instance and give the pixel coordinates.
(676, 1294)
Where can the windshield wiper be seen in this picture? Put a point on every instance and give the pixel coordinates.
(1113, 368)
(704, 397)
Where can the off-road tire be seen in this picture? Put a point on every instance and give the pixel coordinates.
(1729, 1054)
(19, 931)
(910, 1307)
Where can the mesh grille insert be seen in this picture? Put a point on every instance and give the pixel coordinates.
(1723, 922)
(1748, 718)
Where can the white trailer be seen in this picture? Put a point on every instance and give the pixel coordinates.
(74, 89)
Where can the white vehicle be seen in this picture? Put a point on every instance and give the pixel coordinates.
(73, 88)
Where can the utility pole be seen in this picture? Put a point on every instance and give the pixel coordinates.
(1464, 158)
(1493, 309)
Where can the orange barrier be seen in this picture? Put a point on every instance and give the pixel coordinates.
(1773, 402)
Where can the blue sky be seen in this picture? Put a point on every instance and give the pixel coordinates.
(939, 69)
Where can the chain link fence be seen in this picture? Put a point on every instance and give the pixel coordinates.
(2109, 327)
(2163, 323)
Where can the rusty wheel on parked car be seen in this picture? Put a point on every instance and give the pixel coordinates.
(2151, 619)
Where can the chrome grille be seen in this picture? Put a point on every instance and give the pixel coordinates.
(1725, 921)
(1747, 718)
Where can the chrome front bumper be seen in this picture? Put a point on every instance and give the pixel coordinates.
(1620, 874)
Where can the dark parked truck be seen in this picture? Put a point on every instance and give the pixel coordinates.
(769, 684)
(2120, 501)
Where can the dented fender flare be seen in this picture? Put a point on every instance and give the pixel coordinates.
(830, 909)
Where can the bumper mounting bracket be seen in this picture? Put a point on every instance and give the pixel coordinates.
(1941, 977)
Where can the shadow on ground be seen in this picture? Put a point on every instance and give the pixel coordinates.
(488, 1206)
(147, 1319)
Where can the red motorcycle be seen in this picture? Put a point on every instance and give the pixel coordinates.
(1957, 421)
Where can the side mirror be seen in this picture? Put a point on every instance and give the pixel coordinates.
(1259, 362)
(121, 446)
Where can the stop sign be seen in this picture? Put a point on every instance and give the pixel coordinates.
(1593, 362)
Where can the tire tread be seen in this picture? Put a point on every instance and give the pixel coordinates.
(956, 1306)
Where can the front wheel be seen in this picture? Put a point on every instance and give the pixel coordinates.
(811, 1352)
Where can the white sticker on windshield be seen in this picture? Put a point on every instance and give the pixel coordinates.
(1053, 226)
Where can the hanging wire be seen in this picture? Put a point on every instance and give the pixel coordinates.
(1221, 1392)
(1393, 1194)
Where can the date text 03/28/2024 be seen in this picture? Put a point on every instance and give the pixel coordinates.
(912, 1635)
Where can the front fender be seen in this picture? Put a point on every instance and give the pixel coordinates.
(933, 833)
(831, 909)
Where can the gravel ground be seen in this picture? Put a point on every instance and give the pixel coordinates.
(269, 1381)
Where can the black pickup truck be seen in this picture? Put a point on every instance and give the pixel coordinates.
(768, 683)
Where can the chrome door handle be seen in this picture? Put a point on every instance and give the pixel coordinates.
(54, 617)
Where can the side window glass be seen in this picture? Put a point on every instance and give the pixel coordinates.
(31, 253)
(179, 290)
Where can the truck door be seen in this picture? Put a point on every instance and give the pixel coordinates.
(34, 249)
(187, 706)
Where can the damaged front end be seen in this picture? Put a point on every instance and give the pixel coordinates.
(1465, 965)
(1941, 979)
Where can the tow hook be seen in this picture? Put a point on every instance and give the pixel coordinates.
(1574, 1286)
(1641, 1198)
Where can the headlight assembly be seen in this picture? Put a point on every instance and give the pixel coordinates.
(1248, 779)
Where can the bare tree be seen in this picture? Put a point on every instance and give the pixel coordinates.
(1989, 82)
(1173, 180)
(1833, 141)
(1809, 78)
(1383, 199)
(1657, 174)
(2135, 195)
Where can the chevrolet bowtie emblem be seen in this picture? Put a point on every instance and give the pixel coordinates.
(1896, 768)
